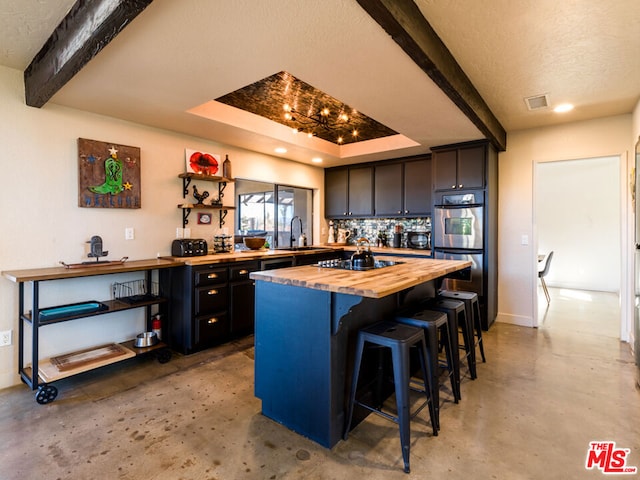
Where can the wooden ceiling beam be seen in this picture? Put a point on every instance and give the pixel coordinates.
(88, 27)
(403, 20)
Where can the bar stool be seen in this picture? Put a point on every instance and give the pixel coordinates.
(457, 317)
(399, 339)
(472, 306)
(436, 331)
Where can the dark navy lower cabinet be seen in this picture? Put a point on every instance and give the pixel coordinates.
(213, 303)
(242, 298)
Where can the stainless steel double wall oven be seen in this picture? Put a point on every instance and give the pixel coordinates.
(458, 234)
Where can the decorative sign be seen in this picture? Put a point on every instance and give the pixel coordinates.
(108, 175)
(201, 162)
(204, 219)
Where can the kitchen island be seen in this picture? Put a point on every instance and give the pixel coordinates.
(306, 323)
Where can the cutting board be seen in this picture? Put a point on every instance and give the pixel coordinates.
(63, 366)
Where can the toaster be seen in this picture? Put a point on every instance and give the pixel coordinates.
(189, 247)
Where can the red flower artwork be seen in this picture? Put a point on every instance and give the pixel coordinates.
(203, 163)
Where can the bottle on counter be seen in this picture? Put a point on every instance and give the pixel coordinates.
(397, 236)
(382, 239)
(332, 233)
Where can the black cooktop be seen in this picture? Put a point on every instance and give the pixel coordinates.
(347, 265)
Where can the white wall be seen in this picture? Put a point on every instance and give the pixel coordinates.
(41, 223)
(577, 215)
(635, 136)
(517, 263)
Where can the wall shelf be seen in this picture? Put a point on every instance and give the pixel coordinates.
(187, 207)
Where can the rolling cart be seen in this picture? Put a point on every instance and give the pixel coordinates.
(39, 374)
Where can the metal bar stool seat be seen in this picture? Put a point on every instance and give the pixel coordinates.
(457, 318)
(472, 306)
(399, 339)
(436, 332)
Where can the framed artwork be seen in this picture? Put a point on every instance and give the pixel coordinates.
(204, 219)
(202, 163)
(108, 175)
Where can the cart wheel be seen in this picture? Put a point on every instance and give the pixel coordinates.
(46, 394)
(164, 355)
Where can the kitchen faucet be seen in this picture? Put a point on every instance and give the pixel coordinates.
(293, 239)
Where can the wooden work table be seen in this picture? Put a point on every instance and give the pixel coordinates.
(58, 273)
(306, 323)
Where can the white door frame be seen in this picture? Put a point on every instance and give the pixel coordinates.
(627, 227)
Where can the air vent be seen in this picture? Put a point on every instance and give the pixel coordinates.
(537, 102)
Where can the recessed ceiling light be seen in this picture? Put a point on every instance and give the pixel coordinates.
(281, 150)
(316, 160)
(563, 107)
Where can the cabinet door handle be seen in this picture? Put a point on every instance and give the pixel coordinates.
(453, 186)
(212, 320)
(243, 272)
(212, 292)
(460, 186)
(399, 211)
(406, 211)
(212, 275)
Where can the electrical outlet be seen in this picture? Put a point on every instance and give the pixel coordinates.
(129, 233)
(5, 338)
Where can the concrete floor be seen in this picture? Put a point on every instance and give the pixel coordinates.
(542, 396)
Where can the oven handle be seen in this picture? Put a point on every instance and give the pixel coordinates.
(458, 251)
(450, 206)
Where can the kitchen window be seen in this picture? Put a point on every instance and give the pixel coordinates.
(267, 209)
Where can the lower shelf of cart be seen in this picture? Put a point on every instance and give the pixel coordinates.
(63, 366)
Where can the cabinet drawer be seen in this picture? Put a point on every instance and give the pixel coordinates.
(210, 276)
(210, 299)
(211, 328)
(241, 272)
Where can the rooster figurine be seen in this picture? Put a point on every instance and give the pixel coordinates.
(200, 197)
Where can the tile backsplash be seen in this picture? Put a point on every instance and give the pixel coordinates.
(371, 227)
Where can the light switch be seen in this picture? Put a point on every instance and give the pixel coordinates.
(525, 240)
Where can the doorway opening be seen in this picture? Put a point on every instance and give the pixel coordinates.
(578, 217)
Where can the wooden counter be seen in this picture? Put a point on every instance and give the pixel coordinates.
(376, 283)
(57, 273)
(243, 255)
(306, 323)
(414, 252)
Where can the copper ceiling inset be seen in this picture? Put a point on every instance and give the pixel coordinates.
(289, 101)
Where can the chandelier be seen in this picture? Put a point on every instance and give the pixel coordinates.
(322, 119)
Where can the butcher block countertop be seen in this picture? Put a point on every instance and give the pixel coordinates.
(56, 273)
(391, 251)
(242, 255)
(376, 283)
